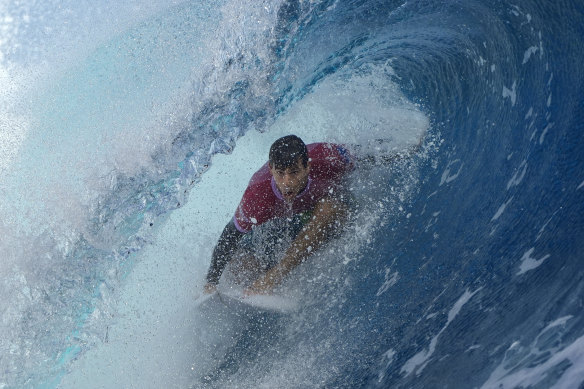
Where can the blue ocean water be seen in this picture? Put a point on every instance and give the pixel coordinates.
(463, 267)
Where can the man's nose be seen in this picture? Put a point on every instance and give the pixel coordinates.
(288, 179)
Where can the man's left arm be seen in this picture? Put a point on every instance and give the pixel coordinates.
(222, 254)
(329, 214)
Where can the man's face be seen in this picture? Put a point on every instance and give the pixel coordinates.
(291, 181)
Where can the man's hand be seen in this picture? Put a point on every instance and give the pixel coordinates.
(209, 288)
(328, 216)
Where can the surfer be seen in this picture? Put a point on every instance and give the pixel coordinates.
(293, 204)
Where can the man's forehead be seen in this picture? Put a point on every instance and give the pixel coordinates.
(298, 166)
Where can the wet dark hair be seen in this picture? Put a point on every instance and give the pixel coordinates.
(285, 152)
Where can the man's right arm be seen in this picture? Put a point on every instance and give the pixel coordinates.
(222, 254)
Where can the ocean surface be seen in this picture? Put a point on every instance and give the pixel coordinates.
(129, 130)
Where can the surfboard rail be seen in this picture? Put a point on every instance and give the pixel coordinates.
(259, 302)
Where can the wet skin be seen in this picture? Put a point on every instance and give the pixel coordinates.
(292, 180)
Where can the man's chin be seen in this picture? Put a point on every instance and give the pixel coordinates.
(289, 195)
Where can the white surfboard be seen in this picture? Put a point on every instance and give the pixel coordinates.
(235, 300)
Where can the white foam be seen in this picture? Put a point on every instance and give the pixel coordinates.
(501, 209)
(46, 160)
(545, 131)
(156, 304)
(358, 111)
(105, 116)
(157, 301)
(516, 375)
(518, 176)
(386, 359)
(511, 93)
(543, 228)
(448, 176)
(419, 361)
(528, 263)
(558, 322)
(13, 125)
(390, 280)
(528, 53)
(13, 130)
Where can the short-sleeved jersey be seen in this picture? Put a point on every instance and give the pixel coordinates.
(262, 201)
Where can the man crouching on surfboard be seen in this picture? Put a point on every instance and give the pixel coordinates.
(292, 205)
